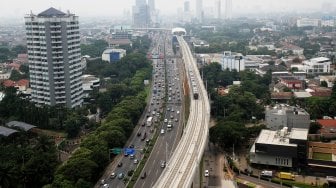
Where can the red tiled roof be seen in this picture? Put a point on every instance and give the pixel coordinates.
(321, 93)
(23, 82)
(15, 65)
(327, 122)
(281, 95)
(9, 83)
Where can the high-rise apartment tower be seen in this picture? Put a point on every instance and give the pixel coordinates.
(53, 44)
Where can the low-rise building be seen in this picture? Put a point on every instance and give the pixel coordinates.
(113, 55)
(90, 83)
(283, 115)
(292, 83)
(317, 66)
(280, 148)
(307, 22)
(233, 61)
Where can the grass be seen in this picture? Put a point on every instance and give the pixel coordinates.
(293, 183)
(249, 184)
(322, 156)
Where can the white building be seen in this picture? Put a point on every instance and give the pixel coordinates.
(316, 66)
(305, 22)
(232, 60)
(53, 44)
(113, 55)
(280, 148)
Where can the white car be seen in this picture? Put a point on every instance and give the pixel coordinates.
(165, 120)
(162, 131)
(178, 112)
(206, 173)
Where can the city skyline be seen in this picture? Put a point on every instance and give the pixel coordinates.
(17, 9)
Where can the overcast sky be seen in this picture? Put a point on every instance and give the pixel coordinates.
(88, 8)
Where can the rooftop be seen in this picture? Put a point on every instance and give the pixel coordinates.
(298, 134)
(21, 125)
(4, 131)
(327, 122)
(273, 138)
(51, 12)
(281, 137)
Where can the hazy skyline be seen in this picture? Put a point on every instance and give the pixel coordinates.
(89, 8)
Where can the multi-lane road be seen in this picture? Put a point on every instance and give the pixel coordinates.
(181, 169)
(168, 138)
(165, 100)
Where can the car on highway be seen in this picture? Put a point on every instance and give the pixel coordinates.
(136, 161)
(144, 175)
(163, 164)
(165, 120)
(113, 175)
(206, 173)
(121, 176)
(139, 134)
(132, 156)
(120, 164)
(106, 185)
(176, 120)
(102, 182)
(178, 112)
(162, 131)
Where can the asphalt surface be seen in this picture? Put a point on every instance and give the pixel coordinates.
(168, 140)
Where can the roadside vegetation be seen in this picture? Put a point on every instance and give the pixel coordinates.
(121, 104)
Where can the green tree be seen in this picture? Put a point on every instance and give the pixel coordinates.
(324, 84)
(314, 128)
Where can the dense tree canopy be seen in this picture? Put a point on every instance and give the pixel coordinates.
(26, 160)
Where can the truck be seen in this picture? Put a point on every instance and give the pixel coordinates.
(286, 176)
(267, 173)
(149, 121)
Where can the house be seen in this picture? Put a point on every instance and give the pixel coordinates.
(327, 125)
(292, 83)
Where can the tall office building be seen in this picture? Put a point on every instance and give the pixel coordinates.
(218, 9)
(140, 3)
(53, 44)
(186, 7)
(199, 10)
(151, 4)
(186, 12)
(141, 14)
(228, 9)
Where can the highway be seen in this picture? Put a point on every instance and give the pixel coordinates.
(123, 164)
(168, 140)
(182, 165)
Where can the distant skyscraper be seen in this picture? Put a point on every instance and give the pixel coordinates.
(228, 9)
(141, 14)
(186, 12)
(199, 10)
(151, 4)
(53, 43)
(186, 6)
(218, 6)
(139, 3)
